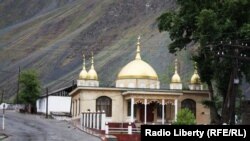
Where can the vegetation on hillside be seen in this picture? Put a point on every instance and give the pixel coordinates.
(53, 36)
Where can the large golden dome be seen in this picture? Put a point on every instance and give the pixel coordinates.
(137, 69)
(195, 79)
(83, 74)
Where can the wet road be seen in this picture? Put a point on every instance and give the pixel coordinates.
(26, 127)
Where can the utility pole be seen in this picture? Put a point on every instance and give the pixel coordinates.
(3, 116)
(235, 56)
(18, 79)
(2, 95)
(47, 96)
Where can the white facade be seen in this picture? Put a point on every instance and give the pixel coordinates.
(93, 83)
(175, 86)
(55, 104)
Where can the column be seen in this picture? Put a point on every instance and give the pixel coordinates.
(94, 120)
(132, 110)
(175, 109)
(84, 119)
(81, 120)
(145, 111)
(98, 120)
(90, 119)
(163, 110)
(103, 120)
(87, 115)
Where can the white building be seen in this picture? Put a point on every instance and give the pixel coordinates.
(58, 101)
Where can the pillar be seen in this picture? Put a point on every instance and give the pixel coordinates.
(132, 110)
(175, 109)
(145, 111)
(94, 120)
(84, 119)
(163, 111)
(98, 120)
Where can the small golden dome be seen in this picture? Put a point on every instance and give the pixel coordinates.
(83, 74)
(137, 69)
(92, 75)
(195, 79)
(176, 78)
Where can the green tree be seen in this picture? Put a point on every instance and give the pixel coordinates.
(185, 117)
(29, 87)
(205, 23)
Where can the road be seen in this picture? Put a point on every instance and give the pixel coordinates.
(27, 127)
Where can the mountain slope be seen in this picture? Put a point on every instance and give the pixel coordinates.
(51, 37)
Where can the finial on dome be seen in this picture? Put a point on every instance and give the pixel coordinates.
(176, 78)
(84, 68)
(92, 61)
(176, 66)
(83, 74)
(138, 55)
(195, 67)
(195, 79)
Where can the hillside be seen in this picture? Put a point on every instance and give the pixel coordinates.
(50, 36)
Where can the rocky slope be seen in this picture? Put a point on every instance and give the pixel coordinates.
(50, 36)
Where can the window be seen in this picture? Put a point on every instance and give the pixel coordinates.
(190, 104)
(159, 110)
(104, 103)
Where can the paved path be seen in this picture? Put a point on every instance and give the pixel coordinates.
(26, 127)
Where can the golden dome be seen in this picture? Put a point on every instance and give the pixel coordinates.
(83, 74)
(137, 69)
(176, 78)
(92, 75)
(195, 79)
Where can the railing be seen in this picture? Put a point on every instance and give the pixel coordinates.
(95, 120)
(128, 130)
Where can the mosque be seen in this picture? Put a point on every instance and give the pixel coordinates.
(137, 96)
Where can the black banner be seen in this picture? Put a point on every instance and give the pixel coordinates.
(195, 132)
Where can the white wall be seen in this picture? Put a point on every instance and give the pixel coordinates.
(55, 104)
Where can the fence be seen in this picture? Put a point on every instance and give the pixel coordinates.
(128, 130)
(95, 120)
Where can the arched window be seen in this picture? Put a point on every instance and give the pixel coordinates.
(190, 104)
(104, 103)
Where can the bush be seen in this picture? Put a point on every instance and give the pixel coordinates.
(185, 117)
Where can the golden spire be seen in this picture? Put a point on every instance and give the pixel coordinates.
(83, 67)
(195, 68)
(195, 79)
(83, 74)
(138, 55)
(176, 66)
(92, 61)
(92, 75)
(176, 78)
